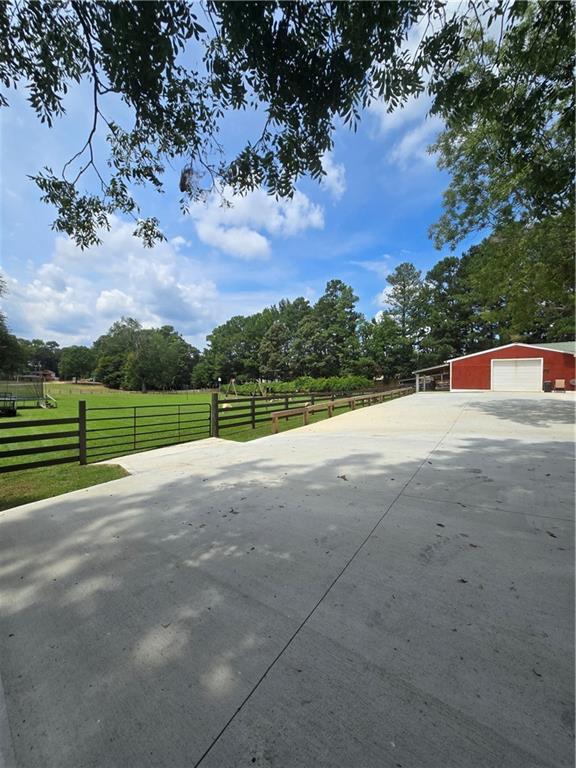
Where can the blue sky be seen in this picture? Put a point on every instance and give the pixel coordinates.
(381, 193)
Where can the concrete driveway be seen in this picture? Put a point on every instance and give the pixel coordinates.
(392, 588)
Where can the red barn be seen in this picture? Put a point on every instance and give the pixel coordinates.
(515, 368)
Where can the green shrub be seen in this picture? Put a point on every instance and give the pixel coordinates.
(344, 384)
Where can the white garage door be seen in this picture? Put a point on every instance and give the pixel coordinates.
(517, 375)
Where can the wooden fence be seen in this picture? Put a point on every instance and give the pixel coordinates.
(249, 412)
(235, 413)
(331, 405)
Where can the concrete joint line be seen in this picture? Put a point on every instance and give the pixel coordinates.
(322, 598)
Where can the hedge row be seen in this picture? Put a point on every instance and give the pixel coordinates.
(308, 384)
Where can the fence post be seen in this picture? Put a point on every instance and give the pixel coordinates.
(214, 415)
(286, 405)
(82, 431)
(253, 412)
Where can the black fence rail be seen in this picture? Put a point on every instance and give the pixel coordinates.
(42, 437)
(119, 430)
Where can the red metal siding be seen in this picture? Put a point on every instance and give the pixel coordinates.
(474, 372)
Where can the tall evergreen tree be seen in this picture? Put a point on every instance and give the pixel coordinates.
(451, 314)
(326, 342)
(275, 353)
(404, 299)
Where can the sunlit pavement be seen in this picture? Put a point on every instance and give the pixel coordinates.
(391, 587)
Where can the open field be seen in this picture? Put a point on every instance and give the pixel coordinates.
(68, 396)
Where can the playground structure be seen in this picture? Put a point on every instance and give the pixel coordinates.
(26, 390)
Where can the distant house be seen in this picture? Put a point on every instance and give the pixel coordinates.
(44, 375)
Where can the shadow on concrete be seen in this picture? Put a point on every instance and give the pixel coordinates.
(134, 625)
(534, 413)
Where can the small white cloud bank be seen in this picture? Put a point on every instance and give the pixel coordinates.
(243, 227)
(380, 267)
(409, 129)
(383, 298)
(334, 179)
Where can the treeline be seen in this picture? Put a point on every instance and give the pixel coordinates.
(517, 285)
(126, 357)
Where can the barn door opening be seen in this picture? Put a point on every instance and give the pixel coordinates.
(519, 375)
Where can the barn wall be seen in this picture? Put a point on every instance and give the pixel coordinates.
(474, 372)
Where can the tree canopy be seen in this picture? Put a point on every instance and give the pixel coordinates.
(11, 354)
(133, 357)
(508, 106)
(76, 362)
(180, 68)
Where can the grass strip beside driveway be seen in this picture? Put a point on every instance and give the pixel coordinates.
(18, 488)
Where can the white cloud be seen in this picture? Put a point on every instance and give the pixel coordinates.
(411, 131)
(334, 179)
(414, 110)
(242, 242)
(380, 267)
(410, 127)
(382, 299)
(75, 295)
(413, 146)
(115, 303)
(236, 229)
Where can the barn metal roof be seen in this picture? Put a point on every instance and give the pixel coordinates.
(558, 346)
(441, 367)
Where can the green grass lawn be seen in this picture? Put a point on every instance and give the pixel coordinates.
(21, 487)
(18, 488)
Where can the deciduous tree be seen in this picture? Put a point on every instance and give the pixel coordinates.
(306, 67)
(523, 276)
(508, 104)
(76, 362)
